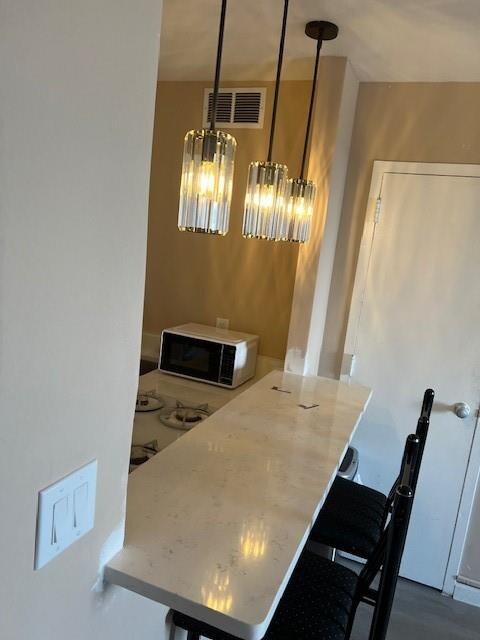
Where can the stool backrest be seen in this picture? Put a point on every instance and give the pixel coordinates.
(410, 459)
(409, 470)
(422, 432)
(427, 404)
(377, 558)
(394, 546)
(423, 425)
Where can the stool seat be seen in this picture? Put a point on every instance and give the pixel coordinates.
(316, 605)
(351, 518)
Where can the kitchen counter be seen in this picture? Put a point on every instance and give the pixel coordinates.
(217, 521)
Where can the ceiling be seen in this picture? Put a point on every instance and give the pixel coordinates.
(385, 40)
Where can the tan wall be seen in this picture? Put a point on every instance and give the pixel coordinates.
(421, 122)
(193, 277)
(76, 114)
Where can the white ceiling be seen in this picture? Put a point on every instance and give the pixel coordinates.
(385, 40)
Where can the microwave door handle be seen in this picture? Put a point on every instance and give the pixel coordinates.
(220, 363)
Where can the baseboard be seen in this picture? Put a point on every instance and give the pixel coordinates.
(467, 594)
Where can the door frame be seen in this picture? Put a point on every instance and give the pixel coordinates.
(373, 211)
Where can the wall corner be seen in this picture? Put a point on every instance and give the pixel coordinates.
(328, 162)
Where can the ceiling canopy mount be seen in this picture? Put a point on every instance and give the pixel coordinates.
(321, 30)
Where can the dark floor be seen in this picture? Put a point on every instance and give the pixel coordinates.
(421, 613)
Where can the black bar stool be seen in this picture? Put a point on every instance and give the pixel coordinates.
(354, 516)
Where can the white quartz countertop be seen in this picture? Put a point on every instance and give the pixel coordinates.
(216, 522)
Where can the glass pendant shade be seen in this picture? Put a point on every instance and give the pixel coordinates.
(207, 179)
(265, 200)
(300, 201)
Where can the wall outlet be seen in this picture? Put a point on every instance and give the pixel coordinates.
(66, 511)
(222, 323)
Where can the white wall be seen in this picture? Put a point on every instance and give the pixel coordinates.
(387, 128)
(470, 565)
(77, 90)
(329, 151)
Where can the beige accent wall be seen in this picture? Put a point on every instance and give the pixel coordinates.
(192, 277)
(418, 122)
(77, 87)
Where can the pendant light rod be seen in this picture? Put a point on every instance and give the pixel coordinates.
(310, 109)
(218, 65)
(319, 30)
(277, 81)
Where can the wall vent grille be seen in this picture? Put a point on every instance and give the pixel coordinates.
(224, 107)
(236, 108)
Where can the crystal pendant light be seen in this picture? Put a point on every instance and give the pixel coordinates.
(267, 181)
(207, 168)
(300, 193)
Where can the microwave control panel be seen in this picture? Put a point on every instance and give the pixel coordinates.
(227, 365)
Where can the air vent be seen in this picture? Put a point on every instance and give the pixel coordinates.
(236, 108)
(224, 107)
(247, 107)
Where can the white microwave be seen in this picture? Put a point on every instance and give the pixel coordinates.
(217, 356)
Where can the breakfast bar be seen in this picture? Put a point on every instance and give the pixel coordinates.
(216, 521)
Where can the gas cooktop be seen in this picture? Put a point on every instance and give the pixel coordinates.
(160, 420)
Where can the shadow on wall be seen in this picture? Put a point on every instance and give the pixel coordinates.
(197, 278)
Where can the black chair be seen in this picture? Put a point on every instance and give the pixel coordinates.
(354, 516)
(322, 597)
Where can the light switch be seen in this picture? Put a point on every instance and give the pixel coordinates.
(80, 506)
(60, 521)
(66, 512)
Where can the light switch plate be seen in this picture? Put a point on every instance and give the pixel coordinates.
(66, 512)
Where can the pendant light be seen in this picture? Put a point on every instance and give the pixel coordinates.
(207, 169)
(300, 194)
(267, 181)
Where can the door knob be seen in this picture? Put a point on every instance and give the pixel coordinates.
(462, 410)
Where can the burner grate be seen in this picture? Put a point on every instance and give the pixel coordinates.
(148, 401)
(185, 417)
(140, 453)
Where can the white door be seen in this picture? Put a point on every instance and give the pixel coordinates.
(415, 323)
